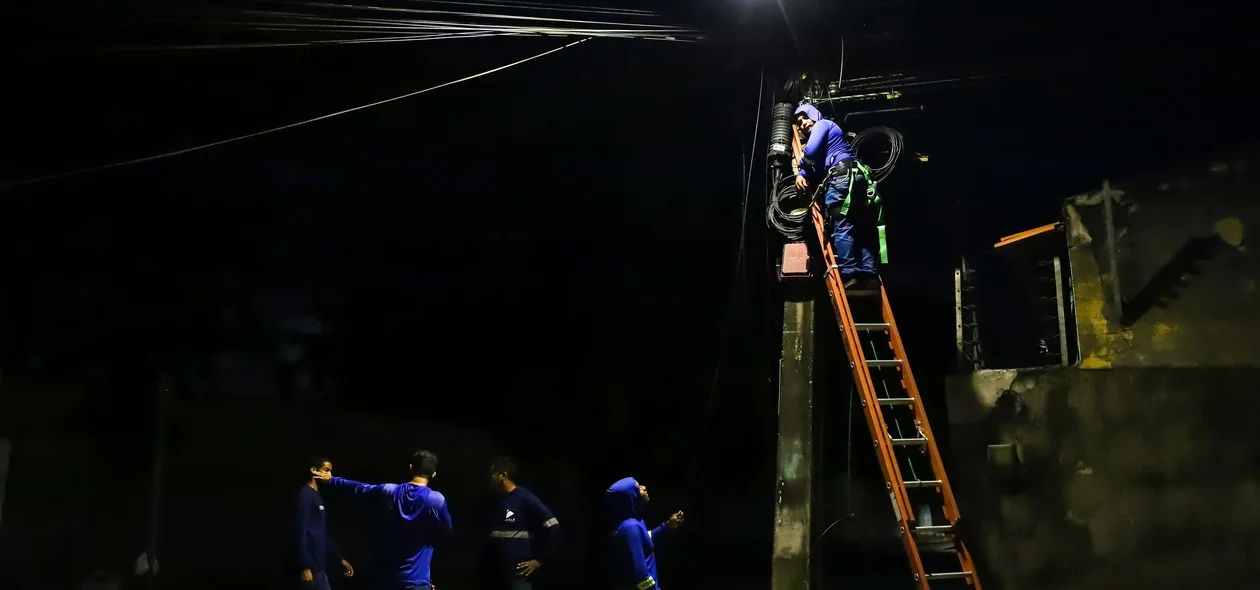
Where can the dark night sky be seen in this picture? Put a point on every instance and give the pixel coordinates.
(513, 249)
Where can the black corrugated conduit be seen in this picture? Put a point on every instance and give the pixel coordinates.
(780, 154)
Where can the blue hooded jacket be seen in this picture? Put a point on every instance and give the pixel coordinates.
(633, 557)
(826, 146)
(419, 519)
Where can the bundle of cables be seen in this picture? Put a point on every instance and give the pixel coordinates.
(788, 208)
(895, 143)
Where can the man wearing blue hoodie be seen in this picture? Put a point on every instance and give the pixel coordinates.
(633, 545)
(419, 519)
(829, 158)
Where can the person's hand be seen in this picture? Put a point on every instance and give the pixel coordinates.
(675, 520)
(349, 568)
(307, 576)
(527, 568)
(321, 475)
(801, 183)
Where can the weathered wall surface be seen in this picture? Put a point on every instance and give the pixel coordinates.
(1184, 274)
(1103, 479)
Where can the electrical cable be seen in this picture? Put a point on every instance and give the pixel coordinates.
(316, 43)
(736, 283)
(325, 17)
(547, 7)
(790, 224)
(284, 127)
(476, 14)
(895, 143)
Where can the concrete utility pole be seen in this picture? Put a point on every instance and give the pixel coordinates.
(793, 510)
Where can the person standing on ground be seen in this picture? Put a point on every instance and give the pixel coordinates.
(419, 519)
(518, 519)
(314, 544)
(633, 565)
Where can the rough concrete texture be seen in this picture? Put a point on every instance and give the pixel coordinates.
(1185, 276)
(1104, 479)
(795, 462)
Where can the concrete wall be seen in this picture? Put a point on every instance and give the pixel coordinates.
(1185, 276)
(1103, 479)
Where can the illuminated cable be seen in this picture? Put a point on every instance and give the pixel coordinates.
(284, 127)
(548, 7)
(404, 39)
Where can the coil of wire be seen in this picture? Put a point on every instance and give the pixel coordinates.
(895, 143)
(788, 210)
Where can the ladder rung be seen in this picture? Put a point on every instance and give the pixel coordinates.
(922, 483)
(907, 442)
(885, 363)
(949, 576)
(896, 401)
(870, 327)
(944, 528)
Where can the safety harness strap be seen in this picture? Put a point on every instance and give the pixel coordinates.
(872, 200)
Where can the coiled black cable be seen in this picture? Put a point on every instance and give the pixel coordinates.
(895, 143)
(785, 195)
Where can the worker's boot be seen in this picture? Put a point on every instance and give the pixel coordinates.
(862, 283)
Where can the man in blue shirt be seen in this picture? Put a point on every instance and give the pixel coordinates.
(418, 519)
(314, 545)
(633, 545)
(828, 158)
(519, 518)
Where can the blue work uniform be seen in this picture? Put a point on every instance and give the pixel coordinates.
(853, 232)
(523, 529)
(418, 518)
(633, 555)
(314, 545)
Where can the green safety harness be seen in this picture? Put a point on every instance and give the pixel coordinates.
(872, 199)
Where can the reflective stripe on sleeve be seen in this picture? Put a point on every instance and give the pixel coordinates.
(509, 534)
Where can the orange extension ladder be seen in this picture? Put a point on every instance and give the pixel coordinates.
(898, 423)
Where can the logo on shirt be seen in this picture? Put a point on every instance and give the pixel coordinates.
(509, 517)
(321, 506)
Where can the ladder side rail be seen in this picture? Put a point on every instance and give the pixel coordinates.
(885, 453)
(947, 494)
(920, 413)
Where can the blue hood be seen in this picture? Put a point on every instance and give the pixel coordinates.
(411, 500)
(622, 500)
(809, 111)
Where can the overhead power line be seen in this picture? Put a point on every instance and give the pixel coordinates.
(283, 127)
(324, 19)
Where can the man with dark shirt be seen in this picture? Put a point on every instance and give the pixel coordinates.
(314, 545)
(519, 517)
(418, 519)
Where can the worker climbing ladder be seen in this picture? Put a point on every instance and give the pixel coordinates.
(898, 424)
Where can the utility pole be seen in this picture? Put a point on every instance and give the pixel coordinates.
(795, 469)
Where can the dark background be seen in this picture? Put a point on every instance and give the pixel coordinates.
(551, 249)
